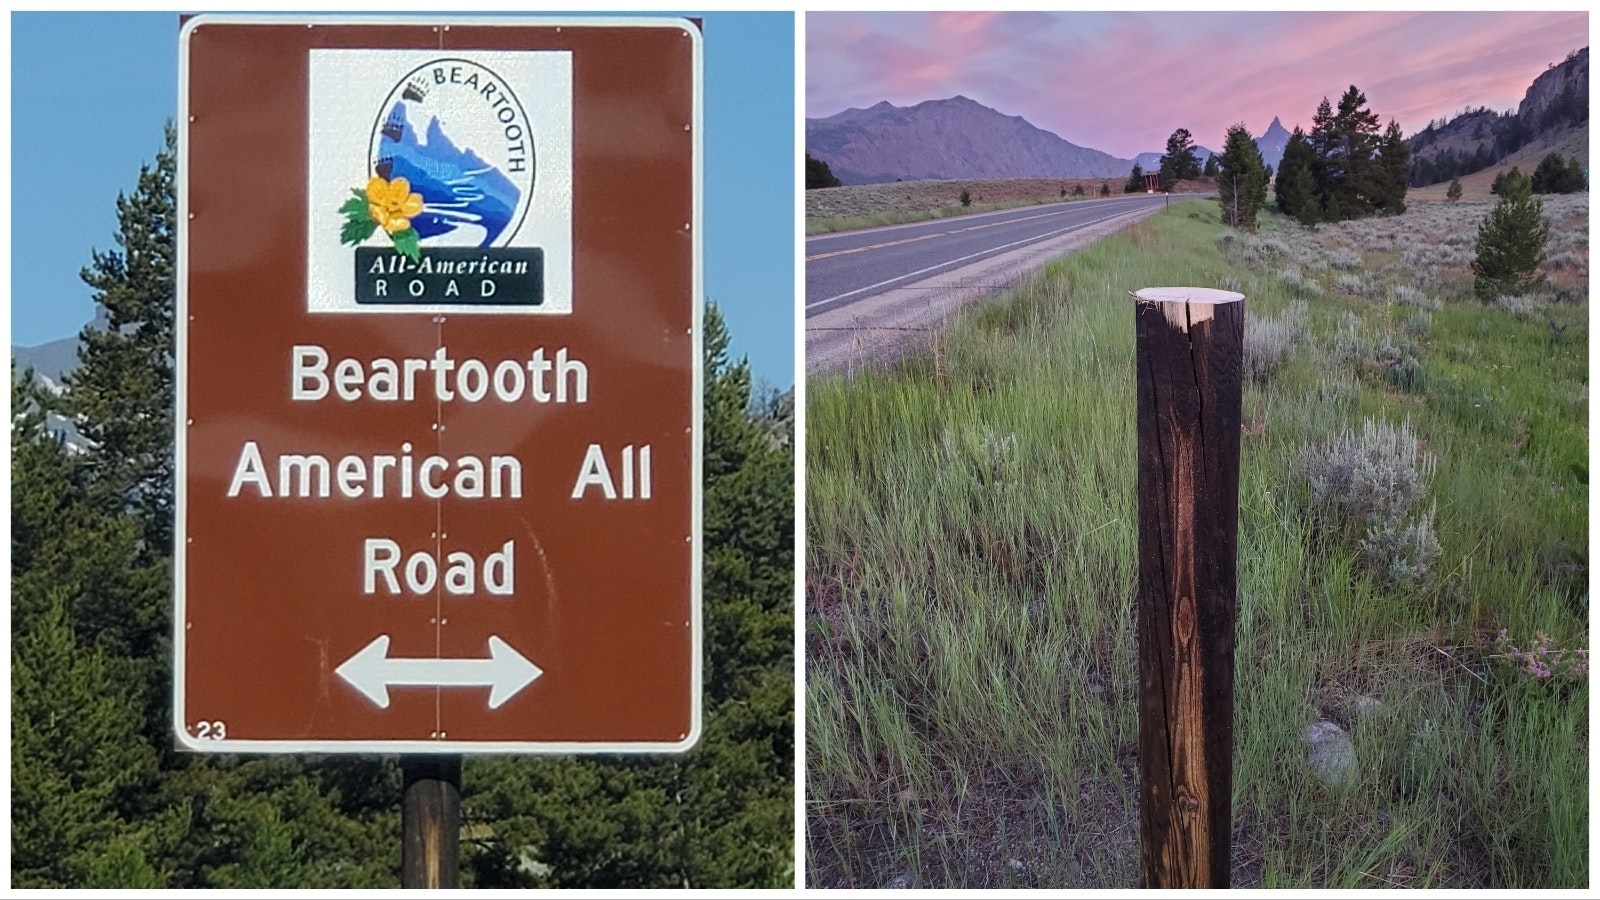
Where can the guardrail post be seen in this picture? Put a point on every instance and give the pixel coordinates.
(1189, 354)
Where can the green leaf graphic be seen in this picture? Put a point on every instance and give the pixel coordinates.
(406, 243)
(356, 205)
(357, 228)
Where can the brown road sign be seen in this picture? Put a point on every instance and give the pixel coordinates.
(439, 385)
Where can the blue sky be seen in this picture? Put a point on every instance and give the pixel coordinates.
(92, 91)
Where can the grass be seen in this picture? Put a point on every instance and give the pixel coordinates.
(971, 682)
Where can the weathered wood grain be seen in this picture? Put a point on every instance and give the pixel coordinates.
(1189, 354)
(430, 822)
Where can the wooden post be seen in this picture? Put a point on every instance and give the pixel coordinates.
(1189, 353)
(430, 821)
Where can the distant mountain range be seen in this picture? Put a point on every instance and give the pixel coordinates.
(954, 138)
(961, 138)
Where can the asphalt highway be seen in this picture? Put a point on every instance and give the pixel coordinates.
(849, 266)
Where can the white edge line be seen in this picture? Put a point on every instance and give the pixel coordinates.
(180, 457)
(697, 302)
(180, 530)
(950, 262)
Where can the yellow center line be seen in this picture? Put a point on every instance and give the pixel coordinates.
(933, 235)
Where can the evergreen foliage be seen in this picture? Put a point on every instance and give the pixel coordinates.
(1210, 170)
(1354, 170)
(1453, 193)
(818, 174)
(1510, 182)
(1180, 158)
(1510, 246)
(1135, 181)
(1241, 179)
(1556, 174)
(122, 390)
(1296, 179)
(101, 799)
(1394, 159)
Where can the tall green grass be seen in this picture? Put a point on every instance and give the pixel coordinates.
(971, 684)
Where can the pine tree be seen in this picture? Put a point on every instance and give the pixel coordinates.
(1510, 245)
(818, 174)
(1394, 157)
(1210, 170)
(100, 797)
(1296, 184)
(1241, 179)
(1556, 174)
(1135, 181)
(1352, 176)
(1549, 173)
(1169, 175)
(1453, 193)
(81, 762)
(122, 391)
(1576, 180)
(1356, 171)
(1180, 158)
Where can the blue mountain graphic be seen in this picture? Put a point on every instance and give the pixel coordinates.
(456, 185)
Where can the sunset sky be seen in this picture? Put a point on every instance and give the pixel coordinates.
(1122, 82)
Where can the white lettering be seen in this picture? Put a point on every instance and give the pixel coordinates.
(308, 362)
(373, 565)
(250, 470)
(595, 472)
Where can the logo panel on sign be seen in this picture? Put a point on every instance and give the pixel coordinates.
(445, 186)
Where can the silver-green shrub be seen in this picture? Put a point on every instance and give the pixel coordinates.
(1370, 486)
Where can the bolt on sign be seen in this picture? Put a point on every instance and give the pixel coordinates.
(439, 385)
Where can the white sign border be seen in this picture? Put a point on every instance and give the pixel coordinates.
(181, 390)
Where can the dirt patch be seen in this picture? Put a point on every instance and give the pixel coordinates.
(922, 196)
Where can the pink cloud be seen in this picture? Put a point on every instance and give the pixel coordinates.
(1122, 82)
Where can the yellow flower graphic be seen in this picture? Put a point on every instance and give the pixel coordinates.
(392, 204)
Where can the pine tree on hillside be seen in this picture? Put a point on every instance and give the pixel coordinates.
(1241, 179)
(1556, 175)
(1453, 193)
(1510, 246)
(1135, 181)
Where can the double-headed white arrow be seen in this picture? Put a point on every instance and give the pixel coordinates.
(372, 672)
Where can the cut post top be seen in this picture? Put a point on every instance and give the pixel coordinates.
(1187, 295)
(1186, 306)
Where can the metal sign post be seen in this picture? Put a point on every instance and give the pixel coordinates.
(1189, 351)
